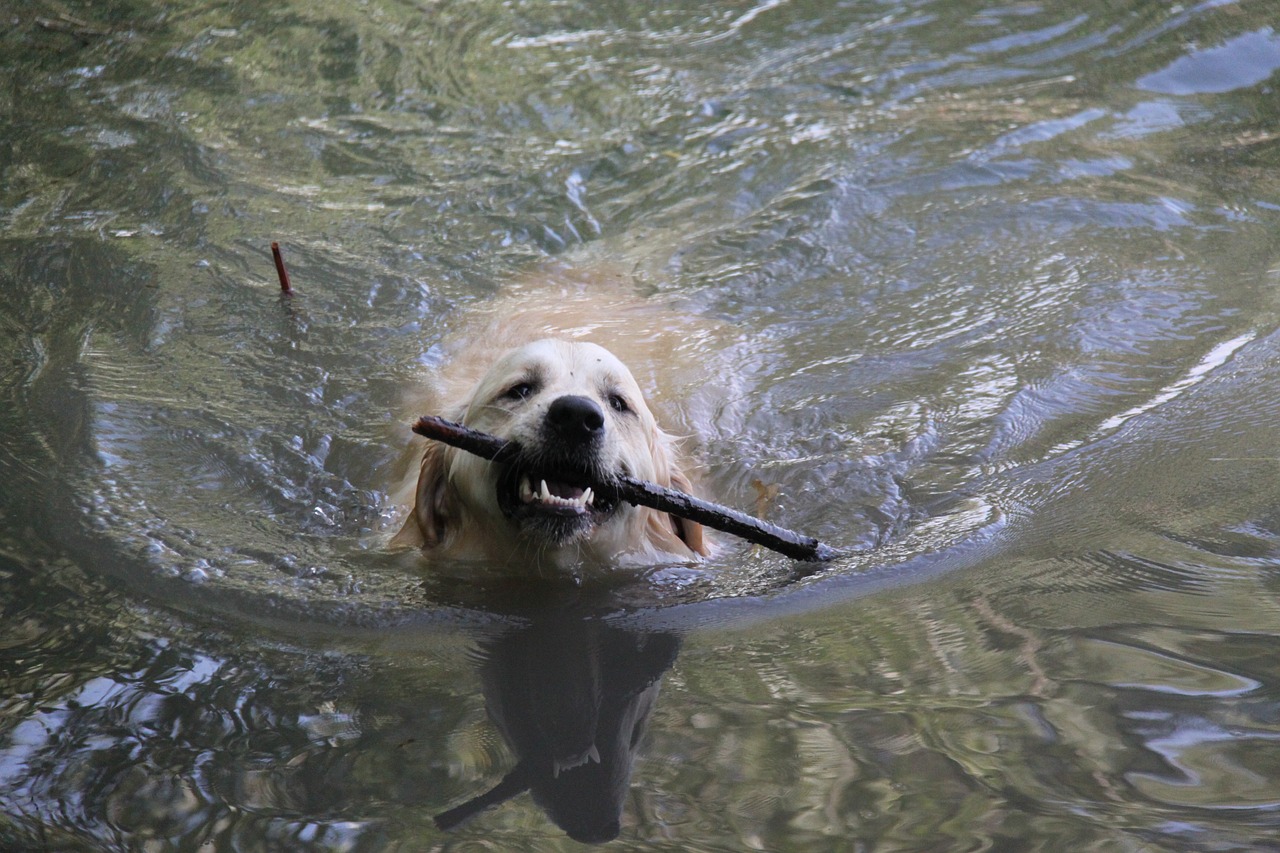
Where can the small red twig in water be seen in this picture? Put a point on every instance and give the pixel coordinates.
(280, 270)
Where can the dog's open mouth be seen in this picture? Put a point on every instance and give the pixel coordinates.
(559, 505)
(556, 496)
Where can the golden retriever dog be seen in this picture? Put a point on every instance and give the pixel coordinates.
(533, 374)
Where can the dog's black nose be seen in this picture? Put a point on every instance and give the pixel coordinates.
(576, 419)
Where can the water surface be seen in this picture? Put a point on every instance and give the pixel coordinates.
(990, 300)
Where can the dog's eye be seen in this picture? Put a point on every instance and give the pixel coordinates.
(618, 403)
(519, 391)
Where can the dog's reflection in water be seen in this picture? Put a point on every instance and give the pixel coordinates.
(571, 696)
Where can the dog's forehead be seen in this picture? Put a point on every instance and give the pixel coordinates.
(558, 359)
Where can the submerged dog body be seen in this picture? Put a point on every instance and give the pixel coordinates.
(580, 418)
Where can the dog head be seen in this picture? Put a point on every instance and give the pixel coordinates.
(580, 418)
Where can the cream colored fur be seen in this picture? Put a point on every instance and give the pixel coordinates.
(455, 511)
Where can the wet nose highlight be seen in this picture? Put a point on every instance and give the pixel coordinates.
(576, 418)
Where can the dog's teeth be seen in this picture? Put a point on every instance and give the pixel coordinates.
(543, 494)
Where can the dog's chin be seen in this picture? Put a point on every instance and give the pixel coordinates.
(553, 504)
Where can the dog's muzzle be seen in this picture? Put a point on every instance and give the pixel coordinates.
(551, 489)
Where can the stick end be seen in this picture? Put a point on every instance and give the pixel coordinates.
(824, 553)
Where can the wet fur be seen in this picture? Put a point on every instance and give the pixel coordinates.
(455, 511)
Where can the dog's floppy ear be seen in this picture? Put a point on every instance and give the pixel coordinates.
(428, 523)
(669, 475)
(690, 532)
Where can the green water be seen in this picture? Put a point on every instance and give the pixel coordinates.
(995, 296)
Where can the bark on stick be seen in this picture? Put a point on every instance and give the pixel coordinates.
(643, 493)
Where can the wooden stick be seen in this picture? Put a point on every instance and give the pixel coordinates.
(643, 493)
(281, 272)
